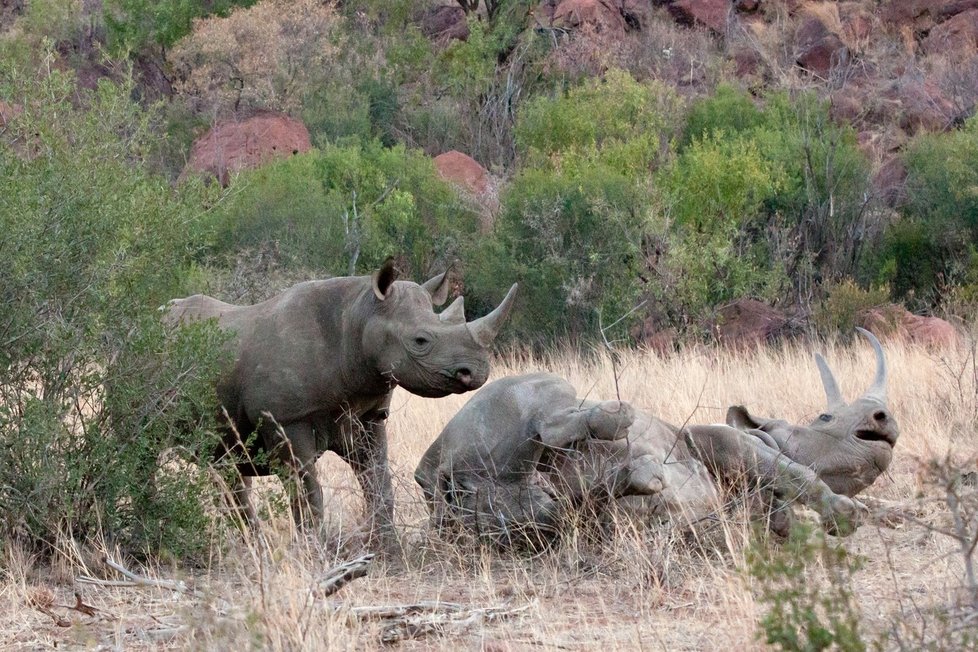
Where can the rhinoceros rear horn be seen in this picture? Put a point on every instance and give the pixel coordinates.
(438, 287)
(383, 278)
(878, 389)
(455, 313)
(485, 329)
(832, 393)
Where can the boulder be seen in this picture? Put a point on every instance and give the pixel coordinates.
(923, 106)
(748, 323)
(895, 321)
(818, 48)
(238, 145)
(472, 179)
(957, 36)
(445, 23)
(712, 13)
(921, 15)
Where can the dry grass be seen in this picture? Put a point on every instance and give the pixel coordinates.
(654, 589)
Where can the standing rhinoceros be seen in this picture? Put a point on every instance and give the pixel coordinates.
(526, 447)
(319, 362)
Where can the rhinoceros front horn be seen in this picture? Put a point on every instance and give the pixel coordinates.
(878, 389)
(485, 329)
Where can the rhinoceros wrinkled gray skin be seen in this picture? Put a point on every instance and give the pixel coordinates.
(319, 362)
(525, 448)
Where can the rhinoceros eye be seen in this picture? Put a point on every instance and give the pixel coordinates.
(421, 342)
(825, 417)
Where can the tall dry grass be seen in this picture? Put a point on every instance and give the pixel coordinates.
(641, 588)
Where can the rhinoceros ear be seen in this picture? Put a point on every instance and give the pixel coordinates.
(738, 417)
(438, 287)
(383, 278)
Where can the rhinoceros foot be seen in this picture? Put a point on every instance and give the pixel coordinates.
(610, 419)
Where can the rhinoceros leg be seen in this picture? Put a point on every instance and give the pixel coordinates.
(240, 492)
(733, 455)
(604, 420)
(364, 447)
(297, 450)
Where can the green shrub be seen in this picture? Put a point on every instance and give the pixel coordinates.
(807, 610)
(344, 209)
(843, 305)
(573, 243)
(92, 392)
(133, 25)
(932, 248)
(617, 121)
(729, 110)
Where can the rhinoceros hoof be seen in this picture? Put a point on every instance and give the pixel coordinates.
(842, 515)
(610, 419)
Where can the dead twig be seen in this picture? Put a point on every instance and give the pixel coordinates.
(134, 579)
(411, 621)
(339, 576)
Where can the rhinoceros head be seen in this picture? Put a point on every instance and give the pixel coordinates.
(850, 444)
(426, 353)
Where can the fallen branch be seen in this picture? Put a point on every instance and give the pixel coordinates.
(135, 579)
(411, 621)
(339, 576)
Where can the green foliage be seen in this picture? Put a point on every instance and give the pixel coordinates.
(843, 305)
(344, 209)
(615, 121)
(729, 110)
(573, 243)
(92, 244)
(133, 25)
(933, 247)
(806, 611)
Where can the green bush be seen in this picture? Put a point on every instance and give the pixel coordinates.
(91, 391)
(615, 121)
(344, 209)
(729, 110)
(133, 25)
(807, 610)
(839, 313)
(932, 248)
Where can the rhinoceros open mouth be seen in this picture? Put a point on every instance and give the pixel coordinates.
(876, 435)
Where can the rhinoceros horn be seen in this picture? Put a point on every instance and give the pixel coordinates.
(455, 313)
(878, 389)
(484, 329)
(832, 393)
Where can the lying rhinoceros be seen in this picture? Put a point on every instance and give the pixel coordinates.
(526, 447)
(318, 363)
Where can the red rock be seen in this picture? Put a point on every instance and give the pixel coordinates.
(923, 105)
(463, 170)
(466, 173)
(712, 13)
(444, 23)
(239, 145)
(600, 15)
(817, 48)
(897, 322)
(957, 36)
(890, 181)
(922, 15)
(747, 323)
